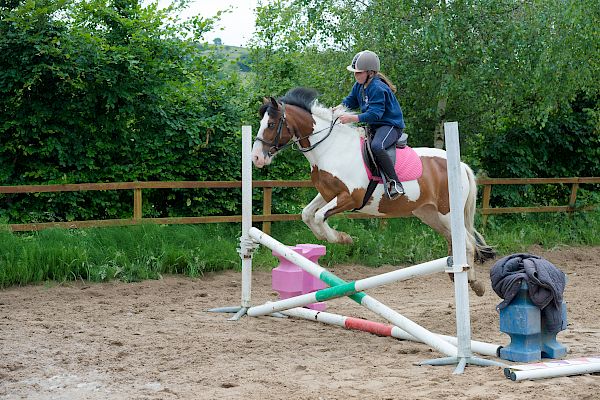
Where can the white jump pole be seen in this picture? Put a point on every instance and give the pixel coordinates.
(459, 257)
(566, 370)
(378, 328)
(551, 369)
(361, 298)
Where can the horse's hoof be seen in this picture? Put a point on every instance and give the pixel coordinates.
(478, 287)
(344, 238)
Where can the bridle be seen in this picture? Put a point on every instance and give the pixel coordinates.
(274, 145)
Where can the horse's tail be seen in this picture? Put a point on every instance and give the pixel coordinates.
(482, 250)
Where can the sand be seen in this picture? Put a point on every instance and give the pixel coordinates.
(155, 340)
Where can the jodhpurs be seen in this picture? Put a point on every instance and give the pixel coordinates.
(384, 137)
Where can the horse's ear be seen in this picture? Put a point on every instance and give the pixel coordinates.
(266, 100)
(274, 102)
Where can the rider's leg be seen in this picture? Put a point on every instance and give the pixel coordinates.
(385, 137)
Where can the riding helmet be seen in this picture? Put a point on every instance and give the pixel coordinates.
(364, 61)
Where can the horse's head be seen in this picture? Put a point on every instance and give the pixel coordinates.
(273, 132)
(281, 121)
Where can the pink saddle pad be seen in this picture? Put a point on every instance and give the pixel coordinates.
(408, 165)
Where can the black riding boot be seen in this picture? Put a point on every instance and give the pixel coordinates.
(393, 188)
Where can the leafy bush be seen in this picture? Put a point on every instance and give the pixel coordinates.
(99, 91)
(568, 144)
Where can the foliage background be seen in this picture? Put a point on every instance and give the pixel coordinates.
(96, 91)
(110, 90)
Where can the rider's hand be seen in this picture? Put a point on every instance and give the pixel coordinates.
(348, 118)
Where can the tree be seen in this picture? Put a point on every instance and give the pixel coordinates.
(94, 91)
(489, 64)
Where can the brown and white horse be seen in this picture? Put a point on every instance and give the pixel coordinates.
(339, 175)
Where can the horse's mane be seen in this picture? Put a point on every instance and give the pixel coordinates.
(301, 97)
(306, 98)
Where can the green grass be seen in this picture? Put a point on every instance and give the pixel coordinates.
(128, 253)
(147, 251)
(510, 234)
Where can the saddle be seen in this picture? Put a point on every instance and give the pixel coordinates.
(369, 158)
(406, 161)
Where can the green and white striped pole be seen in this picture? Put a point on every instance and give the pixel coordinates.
(349, 288)
(353, 290)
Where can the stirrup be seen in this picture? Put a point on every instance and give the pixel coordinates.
(394, 189)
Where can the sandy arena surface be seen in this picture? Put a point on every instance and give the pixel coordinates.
(155, 340)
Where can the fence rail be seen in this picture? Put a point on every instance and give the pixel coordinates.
(487, 183)
(266, 217)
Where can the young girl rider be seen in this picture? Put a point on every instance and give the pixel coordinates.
(373, 94)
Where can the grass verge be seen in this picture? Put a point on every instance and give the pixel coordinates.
(141, 252)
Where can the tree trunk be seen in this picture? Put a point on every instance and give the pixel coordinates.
(438, 136)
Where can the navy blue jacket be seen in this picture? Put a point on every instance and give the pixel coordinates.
(377, 104)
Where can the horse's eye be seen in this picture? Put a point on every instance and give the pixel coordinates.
(271, 125)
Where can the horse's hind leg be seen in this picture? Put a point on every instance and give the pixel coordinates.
(441, 224)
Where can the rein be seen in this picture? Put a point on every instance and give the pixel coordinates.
(309, 148)
(275, 143)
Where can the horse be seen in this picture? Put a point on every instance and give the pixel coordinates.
(338, 173)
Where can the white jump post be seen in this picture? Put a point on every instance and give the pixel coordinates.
(459, 257)
(247, 246)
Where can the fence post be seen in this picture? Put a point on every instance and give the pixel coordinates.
(137, 203)
(267, 201)
(487, 193)
(573, 198)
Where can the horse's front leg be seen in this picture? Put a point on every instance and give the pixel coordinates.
(343, 202)
(308, 216)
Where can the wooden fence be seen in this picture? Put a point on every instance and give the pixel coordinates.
(487, 183)
(266, 217)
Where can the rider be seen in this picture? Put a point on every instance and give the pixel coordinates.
(373, 93)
